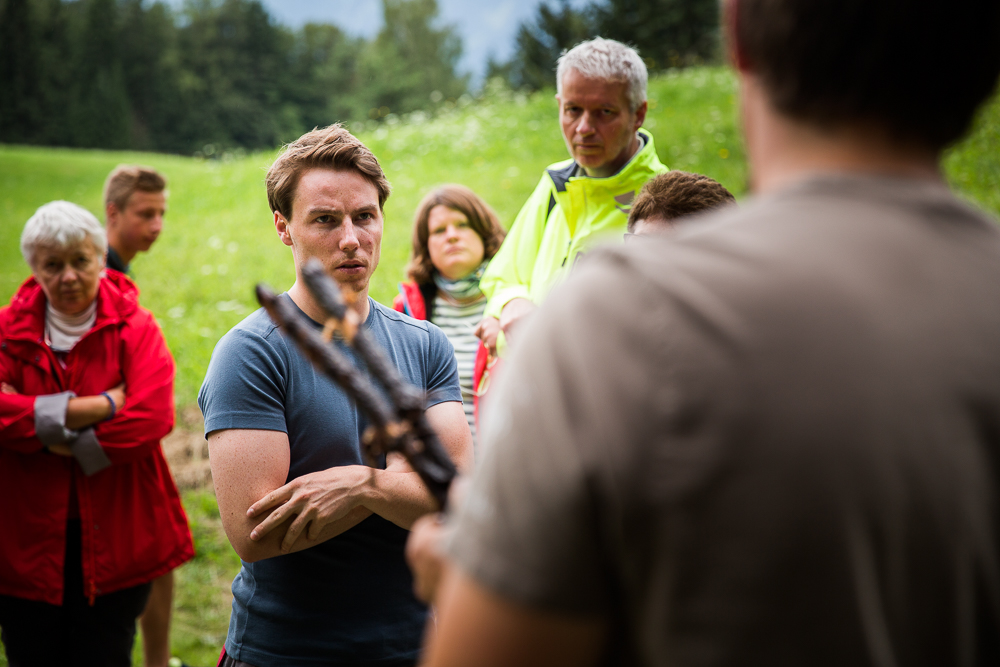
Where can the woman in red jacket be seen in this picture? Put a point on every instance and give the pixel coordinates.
(91, 513)
(455, 234)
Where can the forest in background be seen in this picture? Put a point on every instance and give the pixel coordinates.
(222, 75)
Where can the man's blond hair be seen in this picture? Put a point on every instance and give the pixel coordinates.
(331, 147)
(126, 179)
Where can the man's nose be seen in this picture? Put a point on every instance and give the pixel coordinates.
(69, 275)
(157, 225)
(349, 238)
(586, 124)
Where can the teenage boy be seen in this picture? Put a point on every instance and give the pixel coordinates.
(135, 201)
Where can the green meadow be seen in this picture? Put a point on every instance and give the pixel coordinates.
(219, 239)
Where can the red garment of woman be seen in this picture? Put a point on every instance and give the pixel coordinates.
(133, 526)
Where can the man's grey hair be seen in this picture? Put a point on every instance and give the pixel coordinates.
(607, 59)
(62, 225)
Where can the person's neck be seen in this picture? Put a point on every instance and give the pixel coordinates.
(615, 166)
(126, 254)
(303, 298)
(783, 151)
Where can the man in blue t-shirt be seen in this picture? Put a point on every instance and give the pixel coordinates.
(321, 535)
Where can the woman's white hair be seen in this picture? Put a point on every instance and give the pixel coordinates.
(607, 59)
(61, 224)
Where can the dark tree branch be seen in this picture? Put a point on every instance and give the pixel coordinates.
(401, 427)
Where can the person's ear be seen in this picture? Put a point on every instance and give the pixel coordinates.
(281, 226)
(640, 115)
(111, 213)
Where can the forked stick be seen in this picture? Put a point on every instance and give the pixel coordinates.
(401, 427)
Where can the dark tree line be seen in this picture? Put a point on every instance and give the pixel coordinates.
(667, 33)
(139, 75)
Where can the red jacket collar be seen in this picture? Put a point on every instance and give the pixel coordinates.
(24, 318)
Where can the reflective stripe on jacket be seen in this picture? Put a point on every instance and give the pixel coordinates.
(564, 217)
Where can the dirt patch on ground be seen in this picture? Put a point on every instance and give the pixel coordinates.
(187, 451)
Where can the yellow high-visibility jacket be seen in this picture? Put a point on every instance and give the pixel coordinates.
(564, 217)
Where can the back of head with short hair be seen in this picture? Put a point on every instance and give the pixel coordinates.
(601, 58)
(61, 224)
(482, 219)
(675, 194)
(914, 69)
(126, 179)
(331, 147)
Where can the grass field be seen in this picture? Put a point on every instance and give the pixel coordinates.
(219, 240)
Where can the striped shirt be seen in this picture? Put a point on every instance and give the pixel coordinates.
(458, 324)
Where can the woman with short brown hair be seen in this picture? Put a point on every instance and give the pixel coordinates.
(455, 234)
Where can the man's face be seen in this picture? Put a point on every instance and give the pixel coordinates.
(336, 219)
(597, 124)
(138, 225)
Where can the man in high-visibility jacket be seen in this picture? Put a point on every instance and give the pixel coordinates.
(582, 201)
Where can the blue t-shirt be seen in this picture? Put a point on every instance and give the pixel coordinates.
(348, 601)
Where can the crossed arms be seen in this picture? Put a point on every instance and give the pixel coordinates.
(264, 517)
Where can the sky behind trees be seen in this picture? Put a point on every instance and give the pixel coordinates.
(192, 74)
(487, 27)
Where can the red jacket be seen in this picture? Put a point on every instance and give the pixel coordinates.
(412, 300)
(133, 526)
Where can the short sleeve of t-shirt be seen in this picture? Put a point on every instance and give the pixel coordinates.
(244, 386)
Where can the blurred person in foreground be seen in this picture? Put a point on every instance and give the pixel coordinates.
(455, 234)
(771, 438)
(321, 535)
(667, 198)
(135, 201)
(582, 201)
(91, 513)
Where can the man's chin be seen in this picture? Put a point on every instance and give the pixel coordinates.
(591, 161)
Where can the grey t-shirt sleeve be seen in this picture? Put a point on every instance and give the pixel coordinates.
(442, 369)
(244, 386)
(528, 528)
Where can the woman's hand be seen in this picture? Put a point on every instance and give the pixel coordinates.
(514, 313)
(487, 331)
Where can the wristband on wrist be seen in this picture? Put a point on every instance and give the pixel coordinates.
(114, 408)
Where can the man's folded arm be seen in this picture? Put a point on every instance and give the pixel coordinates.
(247, 464)
(400, 496)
